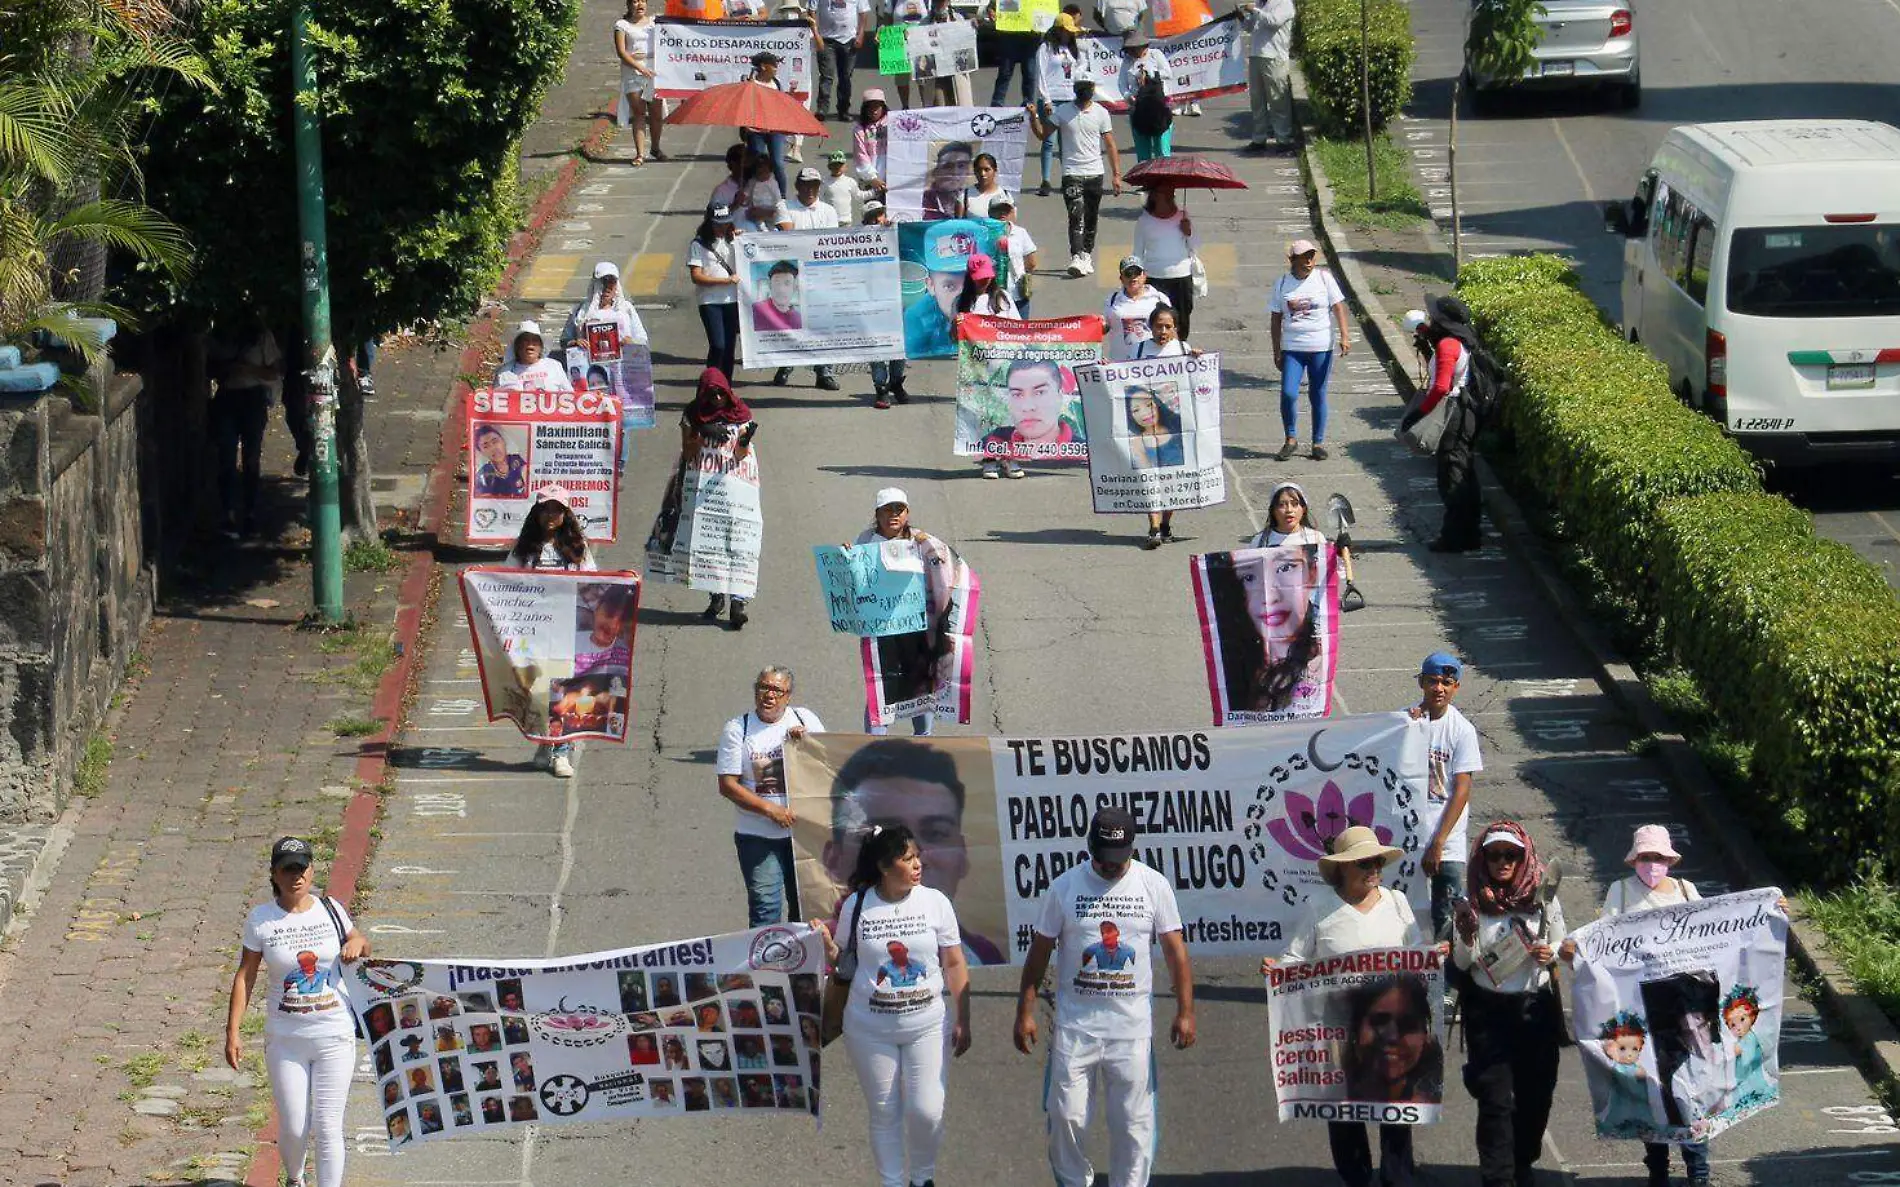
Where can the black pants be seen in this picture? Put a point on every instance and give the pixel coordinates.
(1083, 197)
(1457, 477)
(1180, 291)
(836, 61)
(1352, 1154)
(238, 419)
(1511, 1071)
(722, 336)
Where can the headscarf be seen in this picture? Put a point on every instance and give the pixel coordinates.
(705, 410)
(621, 311)
(1502, 898)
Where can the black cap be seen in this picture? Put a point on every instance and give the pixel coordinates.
(1112, 836)
(289, 851)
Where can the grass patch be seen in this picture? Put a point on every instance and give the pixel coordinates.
(373, 652)
(370, 556)
(143, 1070)
(89, 778)
(1862, 923)
(1398, 206)
(355, 727)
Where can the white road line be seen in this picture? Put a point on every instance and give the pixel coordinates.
(1876, 1152)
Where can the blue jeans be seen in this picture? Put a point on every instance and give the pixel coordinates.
(770, 144)
(1448, 887)
(1048, 146)
(886, 374)
(921, 726)
(721, 323)
(1015, 51)
(1295, 365)
(771, 888)
(1695, 1159)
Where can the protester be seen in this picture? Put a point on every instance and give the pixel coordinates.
(1269, 25)
(911, 657)
(1505, 936)
(604, 304)
(1289, 519)
(983, 293)
(840, 190)
(907, 13)
(1365, 914)
(807, 211)
(526, 365)
(979, 199)
(750, 770)
(870, 141)
(715, 418)
(1103, 918)
(738, 168)
(801, 11)
(842, 28)
(1307, 307)
(249, 370)
(1015, 49)
(1453, 758)
(712, 263)
(950, 88)
(887, 376)
(1454, 345)
(552, 537)
(769, 145)
(1022, 252)
(1056, 58)
(1154, 426)
(633, 44)
(898, 947)
(759, 198)
(1120, 18)
(299, 939)
(1164, 239)
(1088, 138)
(1127, 308)
(1144, 80)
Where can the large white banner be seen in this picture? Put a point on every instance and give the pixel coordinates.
(1677, 1012)
(720, 1024)
(555, 649)
(941, 50)
(933, 150)
(690, 56)
(710, 528)
(811, 297)
(520, 441)
(1359, 1037)
(1209, 60)
(1236, 820)
(1154, 433)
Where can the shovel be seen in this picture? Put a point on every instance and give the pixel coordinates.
(1341, 509)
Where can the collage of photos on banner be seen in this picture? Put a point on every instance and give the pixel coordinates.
(446, 1061)
(721, 1041)
(556, 673)
(594, 698)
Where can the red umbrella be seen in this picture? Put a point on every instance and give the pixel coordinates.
(1183, 173)
(748, 105)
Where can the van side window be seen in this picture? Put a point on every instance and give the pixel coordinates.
(1701, 253)
(1672, 225)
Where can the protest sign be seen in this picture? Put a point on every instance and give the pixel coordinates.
(893, 51)
(555, 649)
(814, 297)
(1026, 16)
(1172, 17)
(1016, 387)
(1234, 819)
(1677, 1012)
(932, 153)
(927, 671)
(692, 55)
(1269, 630)
(1154, 433)
(940, 50)
(623, 368)
(1098, 59)
(1207, 60)
(1333, 1062)
(710, 529)
(718, 1024)
(873, 589)
(520, 441)
(933, 259)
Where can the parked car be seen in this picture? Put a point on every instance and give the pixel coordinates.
(1584, 43)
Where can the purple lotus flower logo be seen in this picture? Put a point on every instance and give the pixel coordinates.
(909, 123)
(1308, 828)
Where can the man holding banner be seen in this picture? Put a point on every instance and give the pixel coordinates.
(842, 26)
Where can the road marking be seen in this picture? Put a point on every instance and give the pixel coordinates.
(548, 276)
(1877, 516)
(645, 272)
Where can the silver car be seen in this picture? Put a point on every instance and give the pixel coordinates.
(1585, 43)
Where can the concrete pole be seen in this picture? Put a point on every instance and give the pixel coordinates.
(326, 529)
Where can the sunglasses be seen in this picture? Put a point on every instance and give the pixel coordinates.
(1501, 856)
(1370, 865)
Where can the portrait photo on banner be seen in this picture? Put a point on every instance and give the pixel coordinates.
(781, 307)
(1359, 1036)
(1270, 624)
(931, 159)
(1017, 394)
(934, 264)
(504, 450)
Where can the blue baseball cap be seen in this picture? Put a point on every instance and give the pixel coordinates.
(948, 245)
(1442, 663)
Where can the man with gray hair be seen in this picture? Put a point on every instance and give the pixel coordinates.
(751, 773)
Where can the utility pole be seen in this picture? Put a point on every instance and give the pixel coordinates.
(1365, 94)
(326, 527)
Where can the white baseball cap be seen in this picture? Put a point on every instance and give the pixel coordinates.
(605, 269)
(1415, 318)
(889, 495)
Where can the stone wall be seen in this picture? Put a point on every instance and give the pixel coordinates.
(76, 581)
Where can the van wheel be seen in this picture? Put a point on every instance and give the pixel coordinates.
(1686, 394)
(1629, 96)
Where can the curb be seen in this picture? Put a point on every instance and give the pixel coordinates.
(415, 595)
(1867, 1031)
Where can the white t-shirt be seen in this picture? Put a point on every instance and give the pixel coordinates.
(754, 750)
(1104, 990)
(1132, 73)
(1055, 73)
(302, 970)
(716, 262)
(1268, 538)
(838, 19)
(1500, 960)
(1453, 744)
(1628, 894)
(550, 558)
(976, 203)
(841, 194)
(819, 216)
(1021, 247)
(984, 307)
(1128, 320)
(542, 375)
(1120, 16)
(1164, 250)
(1306, 309)
(1330, 926)
(1082, 133)
(898, 995)
(1146, 349)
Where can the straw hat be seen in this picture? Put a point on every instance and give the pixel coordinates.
(1357, 844)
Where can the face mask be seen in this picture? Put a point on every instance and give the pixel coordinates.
(1652, 872)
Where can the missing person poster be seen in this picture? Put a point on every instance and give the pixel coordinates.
(1677, 1013)
(933, 150)
(555, 649)
(1359, 1037)
(1017, 395)
(933, 260)
(1269, 630)
(940, 50)
(874, 589)
(1207, 60)
(710, 529)
(815, 297)
(692, 55)
(522, 441)
(1236, 820)
(719, 1024)
(623, 368)
(1154, 433)
(928, 670)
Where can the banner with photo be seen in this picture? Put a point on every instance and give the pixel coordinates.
(941, 50)
(718, 1024)
(874, 589)
(1359, 1037)
(1269, 631)
(1207, 60)
(932, 153)
(710, 529)
(1677, 1012)
(817, 297)
(933, 260)
(1154, 433)
(1098, 59)
(521, 441)
(1017, 395)
(1236, 820)
(929, 670)
(555, 649)
(624, 369)
(691, 55)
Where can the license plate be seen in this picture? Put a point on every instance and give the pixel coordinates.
(1847, 377)
(1559, 69)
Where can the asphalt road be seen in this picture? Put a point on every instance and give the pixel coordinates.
(1534, 174)
(1083, 632)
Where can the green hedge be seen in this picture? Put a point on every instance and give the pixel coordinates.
(1328, 49)
(1794, 640)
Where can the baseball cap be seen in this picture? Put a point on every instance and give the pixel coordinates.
(290, 851)
(554, 493)
(1414, 319)
(1112, 836)
(874, 207)
(1135, 40)
(1300, 247)
(876, 95)
(949, 245)
(605, 269)
(837, 156)
(529, 327)
(1131, 264)
(982, 267)
(722, 214)
(1002, 201)
(1442, 663)
(808, 173)
(889, 495)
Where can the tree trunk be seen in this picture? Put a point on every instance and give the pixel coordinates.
(1451, 179)
(1365, 94)
(355, 476)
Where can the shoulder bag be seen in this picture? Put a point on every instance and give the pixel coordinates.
(342, 938)
(838, 989)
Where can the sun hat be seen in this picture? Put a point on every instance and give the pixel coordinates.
(290, 851)
(982, 267)
(1112, 836)
(875, 95)
(1442, 663)
(553, 493)
(1131, 264)
(1359, 843)
(1135, 40)
(605, 269)
(1651, 838)
(889, 495)
(1300, 247)
(1415, 320)
(809, 173)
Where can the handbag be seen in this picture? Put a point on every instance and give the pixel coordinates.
(1424, 434)
(342, 938)
(1197, 276)
(838, 989)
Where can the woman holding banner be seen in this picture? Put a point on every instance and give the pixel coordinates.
(1164, 239)
(910, 661)
(715, 421)
(552, 538)
(1057, 60)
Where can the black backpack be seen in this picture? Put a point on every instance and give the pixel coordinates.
(1485, 382)
(1149, 114)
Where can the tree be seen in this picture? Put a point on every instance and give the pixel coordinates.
(1500, 44)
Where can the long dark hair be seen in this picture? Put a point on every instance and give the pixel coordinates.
(708, 232)
(1426, 1080)
(882, 847)
(568, 540)
(1166, 418)
(1254, 684)
(1058, 36)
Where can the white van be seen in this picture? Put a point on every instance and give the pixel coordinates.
(1763, 267)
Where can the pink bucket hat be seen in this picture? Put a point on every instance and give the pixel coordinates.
(982, 267)
(1651, 838)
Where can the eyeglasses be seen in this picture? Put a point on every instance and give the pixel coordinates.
(1370, 865)
(771, 690)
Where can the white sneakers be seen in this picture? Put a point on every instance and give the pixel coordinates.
(1081, 263)
(563, 767)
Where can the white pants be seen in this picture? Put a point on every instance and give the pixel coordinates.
(309, 1081)
(1128, 1089)
(903, 1089)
